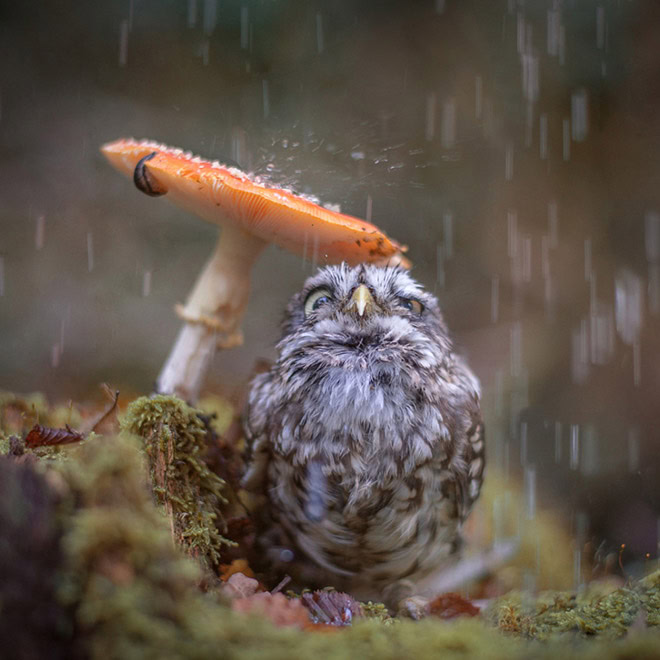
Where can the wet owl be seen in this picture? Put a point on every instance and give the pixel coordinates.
(365, 438)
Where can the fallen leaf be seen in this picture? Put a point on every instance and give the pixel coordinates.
(451, 605)
(236, 566)
(43, 436)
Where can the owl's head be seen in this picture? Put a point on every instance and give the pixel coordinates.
(365, 306)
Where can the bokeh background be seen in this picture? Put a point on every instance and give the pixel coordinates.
(514, 145)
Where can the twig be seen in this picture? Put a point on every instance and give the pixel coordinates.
(104, 415)
(285, 580)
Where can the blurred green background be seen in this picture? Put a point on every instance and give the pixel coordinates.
(513, 145)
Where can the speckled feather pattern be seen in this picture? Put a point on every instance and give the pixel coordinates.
(365, 437)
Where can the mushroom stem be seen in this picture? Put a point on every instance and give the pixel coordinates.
(212, 314)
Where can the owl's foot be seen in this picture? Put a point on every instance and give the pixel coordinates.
(413, 607)
(403, 599)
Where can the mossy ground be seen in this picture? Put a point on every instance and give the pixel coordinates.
(132, 593)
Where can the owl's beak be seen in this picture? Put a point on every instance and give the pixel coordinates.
(361, 302)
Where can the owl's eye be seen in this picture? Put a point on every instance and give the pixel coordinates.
(316, 299)
(412, 304)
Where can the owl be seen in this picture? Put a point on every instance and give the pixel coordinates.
(365, 438)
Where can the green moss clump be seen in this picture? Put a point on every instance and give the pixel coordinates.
(377, 611)
(609, 615)
(175, 441)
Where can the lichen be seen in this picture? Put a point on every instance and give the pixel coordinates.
(175, 442)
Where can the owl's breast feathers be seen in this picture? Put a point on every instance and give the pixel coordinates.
(368, 471)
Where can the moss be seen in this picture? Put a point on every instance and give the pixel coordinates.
(19, 413)
(175, 441)
(220, 410)
(130, 593)
(609, 615)
(377, 611)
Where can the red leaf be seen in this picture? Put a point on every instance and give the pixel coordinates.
(451, 605)
(43, 436)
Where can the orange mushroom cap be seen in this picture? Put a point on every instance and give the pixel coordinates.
(225, 195)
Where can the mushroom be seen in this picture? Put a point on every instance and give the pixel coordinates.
(251, 215)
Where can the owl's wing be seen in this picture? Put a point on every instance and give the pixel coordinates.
(257, 444)
(475, 459)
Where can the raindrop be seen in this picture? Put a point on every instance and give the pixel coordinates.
(512, 233)
(529, 486)
(637, 364)
(192, 13)
(633, 450)
(520, 32)
(55, 355)
(448, 124)
(40, 232)
(580, 353)
(652, 236)
(553, 223)
(315, 252)
(448, 233)
(123, 43)
(600, 27)
(245, 32)
(588, 271)
(526, 266)
(562, 45)
(430, 117)
(545, 257)
(554, 26)
(516, 349)
(319, 32)
(130, 15)
(574, 455)
(264, 87)
(508, 162)
(206, 52)
(146, 283)
(557, 442)
(566, 139)
(440, 6)
(628, 302)
(90, 252)
(602, 333)
(478, 97)
(370, 205)
(210, 16)
(543, 136)
(530, 77)
(499, 392)
(654, 289)
(590, 455)
(523, 443)
(579, 115)
(440, 265)
(62, 327)
(581, 527)
(494, 299)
